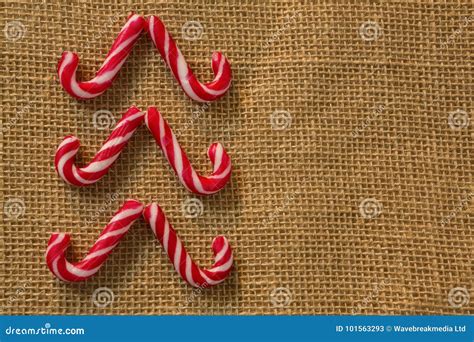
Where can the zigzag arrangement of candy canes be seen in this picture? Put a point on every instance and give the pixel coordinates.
(65, 158)
(105, 244)
(182, 72)
(182, 262)
(112, 64)
(178, 160)
(101, 163)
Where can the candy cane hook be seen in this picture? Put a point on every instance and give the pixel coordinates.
(182, 262)
(182, 72)
(178, 160)
(65, 158)
(107, 241)
(114, 60)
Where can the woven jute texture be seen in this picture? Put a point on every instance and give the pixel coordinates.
(348, 127)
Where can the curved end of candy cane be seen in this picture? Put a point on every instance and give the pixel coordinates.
(221, 166)
(65, 158)
(213, 90)
(223, 262)
(69, 60)
(110, 237)
(57, 262)
(218, 156)
(121, 48)
(65, 162)
(222, 74)
(67, 68)
(57, 246)
(221, 247)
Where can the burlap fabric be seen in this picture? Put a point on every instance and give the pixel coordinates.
(348, 125)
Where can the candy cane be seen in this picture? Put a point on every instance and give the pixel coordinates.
(182, 262)
(107, 241)
(65, 158)
(114, 60)
(182, 72)
(175, 155)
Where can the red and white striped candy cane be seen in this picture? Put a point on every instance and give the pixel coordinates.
(107, 241)
(114, 60)
(182, 72)
(182, 262)
(175, 155)
(65, 158)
